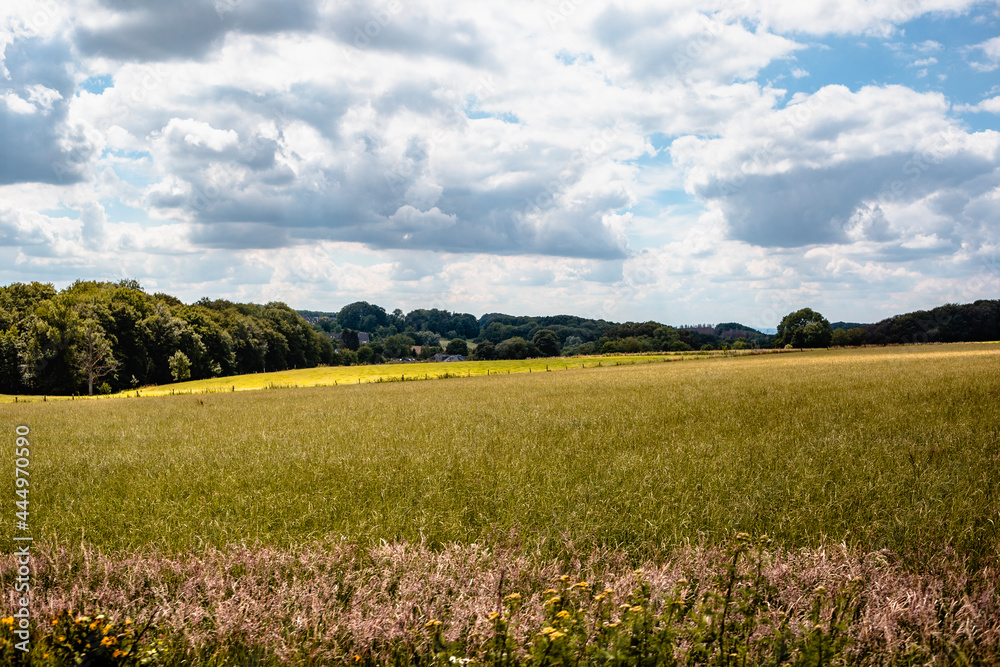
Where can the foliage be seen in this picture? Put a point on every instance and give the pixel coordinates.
(516, 348)
(180, 367)
(398, 346)
(61, 342)
(804, 329)
(547, 343)
(362, 316)
(485, 351)
(457, 346)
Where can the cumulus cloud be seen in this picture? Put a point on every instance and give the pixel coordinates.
(839, 165)
(614, 156)
(39, 143)
(989, 54)
(171, 29)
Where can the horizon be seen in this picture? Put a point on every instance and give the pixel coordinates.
(635, 161)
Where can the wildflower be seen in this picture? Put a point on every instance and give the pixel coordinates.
(608, 591)
(564, 578)
(9, 621)
(554, 600)
(820, 590)
(581, 585)
(549, 591)
(494, 616)
(117, 654)
(94, 624)
(512, 597)
(432, 624)
(636, 609)
(60, 638)
(109, 641)
(547, 630)
(357, 658)
(556, 635)
(599, 598)
(563, 614)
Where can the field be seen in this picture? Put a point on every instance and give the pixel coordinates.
(593, 472)
(335, 376)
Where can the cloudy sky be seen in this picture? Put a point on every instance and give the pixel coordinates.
(680, 161)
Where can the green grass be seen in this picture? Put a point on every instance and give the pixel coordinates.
(893, 448)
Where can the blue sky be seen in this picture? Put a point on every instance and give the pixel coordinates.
(683, 162)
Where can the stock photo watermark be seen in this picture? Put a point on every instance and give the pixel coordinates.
(22, 539)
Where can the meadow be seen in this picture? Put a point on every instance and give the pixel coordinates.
(590, 473)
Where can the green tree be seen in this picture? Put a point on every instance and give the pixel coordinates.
(92, 354)
(180, 366)
(365, 354)
(547, 342)
(349, 337)
(804, 328)
(457, 346)
(362, 316)
(516, 348)
(485, 351)
(398, 346)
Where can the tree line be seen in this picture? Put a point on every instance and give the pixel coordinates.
(105, 337)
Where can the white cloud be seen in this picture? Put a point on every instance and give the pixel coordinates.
(990, 51)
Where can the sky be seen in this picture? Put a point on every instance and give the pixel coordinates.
(686, 162)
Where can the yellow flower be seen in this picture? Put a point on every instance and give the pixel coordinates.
(109, 641)
(494, 616)
(598, 598)
(513, 596)
(117, 654)
(432, 624)
(635, 609)
(564, 578)
(357, 658)
(548, 631)
(582, 585)
(549, 591)
(94, 624)
(554, 600)
(62, 639)
(563, 614)
(9, 621)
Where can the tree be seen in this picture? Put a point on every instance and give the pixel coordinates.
(485, 351)
(349, 337)
(516, 348)
(365, 354)
(180, 366)
(547, 342)
(804, 328)
(398, 346)
(457, 346)
(92, 356)
(362, 316)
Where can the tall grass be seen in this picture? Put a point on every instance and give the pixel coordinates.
(892, 448)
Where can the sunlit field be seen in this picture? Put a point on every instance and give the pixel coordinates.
(891, 451)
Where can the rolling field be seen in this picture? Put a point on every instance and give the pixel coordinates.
(334, 376)
(890, 451)
(894, 448)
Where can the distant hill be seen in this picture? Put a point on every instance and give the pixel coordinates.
(951, 323)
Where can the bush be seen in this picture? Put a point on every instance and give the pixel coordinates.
(457, 346)
(180, 367)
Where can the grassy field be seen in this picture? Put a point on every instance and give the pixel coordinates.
(884, 448)
(334, 376)
(837, 506)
